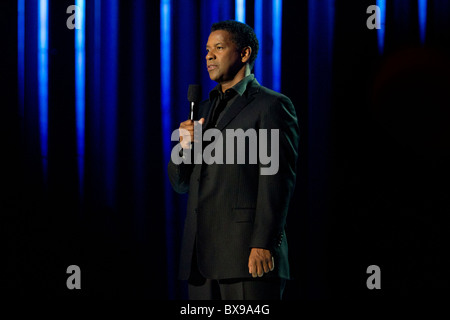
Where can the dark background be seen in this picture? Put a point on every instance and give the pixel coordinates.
(372, 186)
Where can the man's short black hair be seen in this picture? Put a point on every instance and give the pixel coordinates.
(242, 35)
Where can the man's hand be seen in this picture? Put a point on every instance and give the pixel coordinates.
(187, 132)
(260, 262)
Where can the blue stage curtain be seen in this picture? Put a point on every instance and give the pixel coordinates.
(320, 44)
(89, 182)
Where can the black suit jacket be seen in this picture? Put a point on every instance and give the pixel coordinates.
(231, 207)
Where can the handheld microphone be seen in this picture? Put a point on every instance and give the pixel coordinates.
(194, 97)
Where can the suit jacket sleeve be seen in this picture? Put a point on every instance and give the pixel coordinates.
(179, 176)
(275, 191)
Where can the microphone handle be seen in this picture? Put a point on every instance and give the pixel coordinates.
(191, 115)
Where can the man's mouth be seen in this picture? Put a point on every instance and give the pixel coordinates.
(212, 67)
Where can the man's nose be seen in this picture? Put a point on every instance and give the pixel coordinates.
(209, 56)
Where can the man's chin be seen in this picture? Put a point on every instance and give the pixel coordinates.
(214, 76)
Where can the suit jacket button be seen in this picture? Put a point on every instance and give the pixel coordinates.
(196, 210)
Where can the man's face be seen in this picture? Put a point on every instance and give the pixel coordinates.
(223, 59)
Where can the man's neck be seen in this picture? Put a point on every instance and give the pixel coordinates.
(241, 74)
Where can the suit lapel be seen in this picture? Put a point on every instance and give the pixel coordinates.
(209, 115)
(235, 108)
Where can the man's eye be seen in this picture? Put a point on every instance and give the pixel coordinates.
(219, 48)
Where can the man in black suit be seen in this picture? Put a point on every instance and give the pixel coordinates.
(234, 243)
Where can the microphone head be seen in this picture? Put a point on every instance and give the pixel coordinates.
(195, 93)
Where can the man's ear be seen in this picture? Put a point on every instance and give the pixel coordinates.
(245, 54)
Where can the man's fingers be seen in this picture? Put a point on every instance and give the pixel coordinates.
(260, 261)
(272, 264)
(255, 268)
(252, 268)
(187, 122)
(260, 269)
(188, 129)
(187, 125)
(266, 267)
(186, 134)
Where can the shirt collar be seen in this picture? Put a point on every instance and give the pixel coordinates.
(239, 87)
